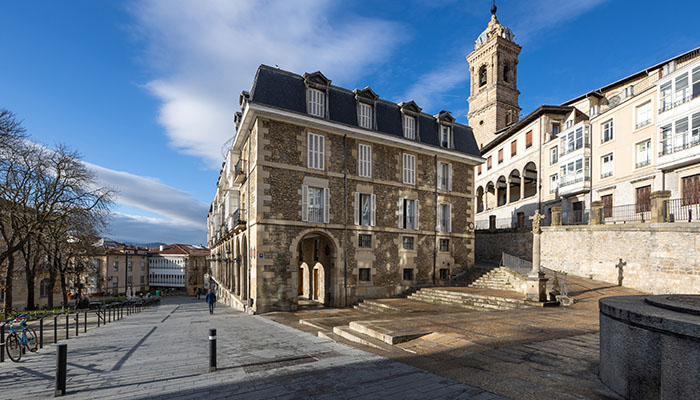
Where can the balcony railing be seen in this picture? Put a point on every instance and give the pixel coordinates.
(683, 210)
(315, 214)
(238, 172)
(644, 163)
(680, 142)
(606, 174)
(567, 180)
(239, 219)
(643, 123)
(628, 213)
(665, 106)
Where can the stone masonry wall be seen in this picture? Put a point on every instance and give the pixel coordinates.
(490, 244)
(660, 258)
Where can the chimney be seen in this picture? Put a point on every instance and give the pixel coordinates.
(161, 247)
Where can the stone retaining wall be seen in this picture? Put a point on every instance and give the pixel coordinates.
(489, 245)
(659, 257)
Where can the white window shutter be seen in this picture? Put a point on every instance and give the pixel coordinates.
(369, 161)
(417, 226)
(321, 152)
(438, 223)
(449, 176)
(373, 201)
(439, 175)
(401, 213)
(304, 203)
(326, 205)
(449, 221)
(357, 208)
(310, 150)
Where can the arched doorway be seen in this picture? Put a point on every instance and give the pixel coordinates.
(479, 199)
(501, 190)
(514, 186)
(316, 280)
(529, 180)
(490, 195)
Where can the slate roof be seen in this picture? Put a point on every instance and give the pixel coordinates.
(183, 249)
(286, 90)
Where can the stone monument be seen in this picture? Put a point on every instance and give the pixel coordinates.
(536, 282)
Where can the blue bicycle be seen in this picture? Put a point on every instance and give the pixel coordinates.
(16, 341)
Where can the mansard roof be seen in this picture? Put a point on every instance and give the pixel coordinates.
(287, 91)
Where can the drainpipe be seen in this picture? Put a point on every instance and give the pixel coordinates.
(246, 290)
(435, 225)
(345, 217)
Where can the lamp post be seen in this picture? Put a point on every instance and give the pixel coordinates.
(126, 272)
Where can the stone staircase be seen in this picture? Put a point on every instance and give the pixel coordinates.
(474, 299)
(500, 278)
(376, 307)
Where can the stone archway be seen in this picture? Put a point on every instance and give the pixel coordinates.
(317, 255)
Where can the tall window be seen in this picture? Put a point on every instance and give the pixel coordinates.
(478, 169)
(444, 218)
(506, 73)
(143, 265)
(643, 151)
(44, 289)
(644, 115)
(488, 163)
(408, 214)
(554, 155)
(482, 76)
(115, 266)
(365, 209)
(115, 282)
(500, 156)
(555, 129)
(513, 148)
(364, 241)
(364, 167)
(316, 146)
(696, 82)
(606, 167)
(528, 139)
(129, 267)
(316, 102)
(666, 96)
(409, 169)
(444, 176)
(314, 204)
(365, 115)
(446, 136)
(682, 92)
(606, 131)
(143, 279)
(553, 183)
(409, 127)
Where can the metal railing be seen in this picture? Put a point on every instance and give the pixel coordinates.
(682, 210)
(629, 213)
(567, 180)
(482, 224)
(681, 142)
(238, 172)
(575, 217)
(643, 123)
(315, 214)
(523, 267)
(238, 217)
(643, 163)
(667, 105)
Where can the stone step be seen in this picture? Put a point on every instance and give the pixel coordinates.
(387, 335)
(468, 300)
(473, 304)
(334, 338)
(461, 295)
(375, 307)
(352, 335)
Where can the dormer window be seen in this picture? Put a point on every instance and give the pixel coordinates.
(316, 104)
(364, 115)
(409, 127)
(445, 136)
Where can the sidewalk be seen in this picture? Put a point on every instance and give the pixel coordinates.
(163, 353)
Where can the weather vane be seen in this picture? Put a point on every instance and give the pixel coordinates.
(493, 8)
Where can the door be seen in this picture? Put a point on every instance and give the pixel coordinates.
(691, 190)
(300, 281)
(607, 205)
(578, 211)
(316, 284)
(643, 198)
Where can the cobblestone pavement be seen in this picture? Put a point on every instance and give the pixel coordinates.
(163, 353)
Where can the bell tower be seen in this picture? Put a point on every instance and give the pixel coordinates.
(493, 66)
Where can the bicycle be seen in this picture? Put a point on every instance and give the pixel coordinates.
(15, 342)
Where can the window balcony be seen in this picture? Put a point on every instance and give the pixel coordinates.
(679, 150)
(239, 221)
(238, 173)
(574, 183)
(669, 105)
(643, 163)
(642, 124)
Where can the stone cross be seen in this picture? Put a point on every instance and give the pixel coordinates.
(536, 231)
(620, 271)
(536, 221)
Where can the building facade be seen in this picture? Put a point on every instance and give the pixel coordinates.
(329, 195)
(616, 144)
(118, 269)
(178, 266)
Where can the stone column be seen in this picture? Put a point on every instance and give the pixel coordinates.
(556, 216)
(536, 282)
(659, 213)
(507, 192)
(597, 213)
(522, 187)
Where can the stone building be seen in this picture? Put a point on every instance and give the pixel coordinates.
(616, 144)
(116, 268)
(178, 266)
(329, 195)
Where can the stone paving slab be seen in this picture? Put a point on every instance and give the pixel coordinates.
(147, 355)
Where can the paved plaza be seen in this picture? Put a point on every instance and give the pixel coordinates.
(163, 353)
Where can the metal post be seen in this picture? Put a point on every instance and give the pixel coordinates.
(98, 318)
(2, 343)
(109, 314)
(61, 356)
(67, 326)
(77, 323)
(41, 333)
(55, 329)
(212, 350)
(85, 323)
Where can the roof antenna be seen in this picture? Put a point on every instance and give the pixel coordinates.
(494, 8)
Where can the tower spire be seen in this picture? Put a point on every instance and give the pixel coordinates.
(494, 8)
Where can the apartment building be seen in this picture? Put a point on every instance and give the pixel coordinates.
(616, 144)
(178, 266)
(117, 269)
(329, 195)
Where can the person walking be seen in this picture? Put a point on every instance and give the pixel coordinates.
(211, 299)
(199, 293)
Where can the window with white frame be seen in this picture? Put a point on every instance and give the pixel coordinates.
(446, 136)
(364, 165)
(316, 102)
(314, 204)
(682, 90)
(444, 218)
(606, 131)
(553, 183)
(666, 97)
(554, 155)
(444, 176)
(409, 127)
(409, 169)
(316, 146)
(643, 115)
(696, 82)
(365, 209)
(364, 112)
(643, 151)
(408, 213)
(606, 165)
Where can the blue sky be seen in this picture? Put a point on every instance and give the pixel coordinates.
(146, 90)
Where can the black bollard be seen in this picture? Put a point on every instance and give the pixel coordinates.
(212, 350)
(61, 356)
(55, 329)
(2, 343)
(77, 323)
(41, 333)
(85, 323)
(67, 326)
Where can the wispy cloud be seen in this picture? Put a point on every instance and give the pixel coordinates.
(432, 88)
(541, 16)
(139, 229)
(204, 54)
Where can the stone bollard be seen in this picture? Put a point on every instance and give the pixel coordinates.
(597, 213)
(556, 215)
(659, 212)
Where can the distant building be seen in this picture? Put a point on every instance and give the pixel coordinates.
(178, 266)
(116, 268)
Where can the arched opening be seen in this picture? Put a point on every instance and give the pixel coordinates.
(317, 254)
(514, 185)
(237, 259)
(490, 196)
(506, 73)
(501, 190)
(479, 199)
(529, 180)
(482, 76)
(244, 292)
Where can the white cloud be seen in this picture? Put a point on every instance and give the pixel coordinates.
(430, 89)
(540, 16)
(205, 54)
(139, 229)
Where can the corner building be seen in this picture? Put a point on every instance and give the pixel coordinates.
(329, 195)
